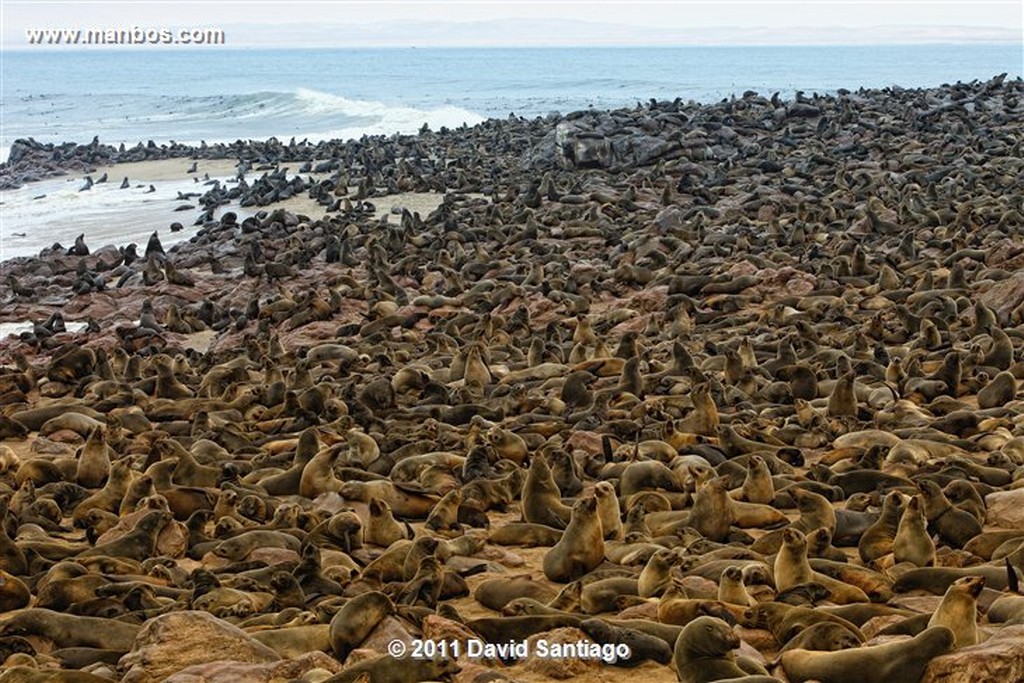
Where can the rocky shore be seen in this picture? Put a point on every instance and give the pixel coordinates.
(733, 380)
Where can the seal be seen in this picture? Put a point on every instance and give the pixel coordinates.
(703, 652)
(656, 576)
(382, 529)
(496, 593)
(504, 629)
(70, 631)
(525, 534)
(877, 540)
(609, 595)
(732, 590)
(356, 619)
(912, 542)
(642, 646)
(712, 512)
(757, 485)
(14, 594)
(138, 544)
(955, 526)
(904, 660)
(581, 548)
(542, 502)
(608, 510)
(792, 568)
(825, 636)
(958, 610)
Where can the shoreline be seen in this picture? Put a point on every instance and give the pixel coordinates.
(118, 216)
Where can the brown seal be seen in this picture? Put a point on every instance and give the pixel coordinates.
(496, 593)
(825, 636)
(877, 540)
(581, 548)
(913, 543)
(904, 660)
(958, 610)
(383, 529)
(354, 621)
(542, 502)
(703, 652)
(792, 568)
(70, 631)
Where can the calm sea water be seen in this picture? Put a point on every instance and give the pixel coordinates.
(222, 94)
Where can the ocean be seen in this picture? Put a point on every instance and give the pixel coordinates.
(128, 96)
(225, 94)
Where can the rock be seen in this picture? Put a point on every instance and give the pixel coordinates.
(476, 673)
(758, 638)
(1005, 509)
(577, 148)
(1003, 297)
(925, 604)
(273, 556)
(872, 627)
(501, 556)
(698, 585)
(648, 610)
(438, 628)
(1000, 658)
(172, 642)
(559, 668)
(670, 219)
(586, 441)
(387, 630)
(230, 672)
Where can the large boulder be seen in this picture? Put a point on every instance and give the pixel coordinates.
(231, 672)
(172, 642)
(559, 667)
(1004, 296)
(1005, 509)
(1000, 658)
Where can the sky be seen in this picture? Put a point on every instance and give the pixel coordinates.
(534, 22)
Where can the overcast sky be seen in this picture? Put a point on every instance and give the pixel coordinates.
(411, 22)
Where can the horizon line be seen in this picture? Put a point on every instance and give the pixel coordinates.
(512, 46)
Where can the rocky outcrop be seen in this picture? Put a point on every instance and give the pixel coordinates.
(232, 672)
(559, 667)
(172, 642)
(1005, 509)
(1000, 658)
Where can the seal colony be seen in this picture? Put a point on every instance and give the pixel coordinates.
(734, 384)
